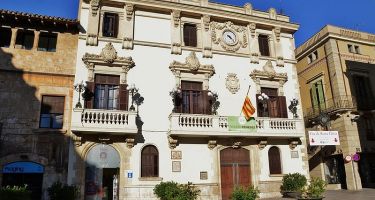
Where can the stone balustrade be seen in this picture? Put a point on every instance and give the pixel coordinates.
(104, 121)
(212, 125)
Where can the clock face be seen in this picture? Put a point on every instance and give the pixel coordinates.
(229, 37)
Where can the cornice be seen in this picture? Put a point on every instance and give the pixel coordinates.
(214, 12)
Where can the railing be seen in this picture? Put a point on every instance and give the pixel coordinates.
(211, 125)
(336, 104)
(96, 120)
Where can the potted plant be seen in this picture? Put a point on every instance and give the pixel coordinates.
(314, 191)
(248, 193)
(292, 184)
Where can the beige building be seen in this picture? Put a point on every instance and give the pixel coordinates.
(335, 69)
(37, 66)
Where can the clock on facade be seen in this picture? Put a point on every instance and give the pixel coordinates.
(229, 37)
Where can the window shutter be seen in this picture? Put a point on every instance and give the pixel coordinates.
(263, 45)
(282, 109)
(115, 26)
(150, 162)
(190, 35)
(314, 97)
(89, 94)
(321, 97)
(274, 161)
(124, 97)
(206, 103)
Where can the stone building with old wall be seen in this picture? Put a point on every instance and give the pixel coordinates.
(165, 82)
(37, 67)
(335, 68)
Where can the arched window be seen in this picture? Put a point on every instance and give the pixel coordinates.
(274, 160)
(150, 162)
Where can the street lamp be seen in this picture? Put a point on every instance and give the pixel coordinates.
(80, 88)
(263, 99)
(133, 91)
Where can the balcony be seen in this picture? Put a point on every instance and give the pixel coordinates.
(193, 125)
(332, 106)
(96, 121)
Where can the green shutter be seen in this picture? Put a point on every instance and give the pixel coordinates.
(314, 98)
(321, 98)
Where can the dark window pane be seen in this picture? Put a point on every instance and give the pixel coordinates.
(190, 35)
(107, 92)
(5, 37)
(149, 162)
(274, 160)
(263, 45)
(52, 112)
(47, 42)
(25, 39)
(193, 100)
(110, 25)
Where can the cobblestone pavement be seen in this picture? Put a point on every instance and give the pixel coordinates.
(365, 194)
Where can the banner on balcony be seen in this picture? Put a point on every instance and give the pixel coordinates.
(321, 138)
(239, 123)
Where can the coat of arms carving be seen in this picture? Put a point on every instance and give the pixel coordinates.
(232, 83)
(109, 53)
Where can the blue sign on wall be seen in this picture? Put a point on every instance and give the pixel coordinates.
(23, 168)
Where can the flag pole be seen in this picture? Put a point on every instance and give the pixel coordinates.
(248, 90)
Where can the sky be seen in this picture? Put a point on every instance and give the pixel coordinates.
(311, 15)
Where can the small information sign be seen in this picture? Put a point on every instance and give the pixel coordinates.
(323, 138)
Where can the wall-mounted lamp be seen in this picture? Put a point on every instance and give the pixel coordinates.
(215, 104)
(263, 99)
(133, 90)
(293, 107)
(80, 88)
(176, 95)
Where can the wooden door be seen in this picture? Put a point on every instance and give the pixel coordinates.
(234, 169)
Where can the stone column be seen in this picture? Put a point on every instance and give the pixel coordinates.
(13, 38)
(176, 32)
(36, 40)
(127, 27)
(206, 38)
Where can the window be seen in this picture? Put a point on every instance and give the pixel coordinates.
(263, 45)
(190, 35)
(274, 161)
(317, 96)
(274, 107)
(149, 162)
(25, 39)
(363, 91)
(353, 49)
(312, 57)
(110, 25)
(5, 37)
(52, 112)
(356, 49)
(194, 99)
(47, 42)
(106, 92)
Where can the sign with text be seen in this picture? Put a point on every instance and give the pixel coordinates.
(321, 138)
(236, 123)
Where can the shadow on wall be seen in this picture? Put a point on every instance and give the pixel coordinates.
(28, 154)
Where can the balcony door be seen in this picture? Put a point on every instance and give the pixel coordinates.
(234, 170)
(194, 98)
(317, 97)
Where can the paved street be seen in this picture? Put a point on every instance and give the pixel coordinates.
(365, 194)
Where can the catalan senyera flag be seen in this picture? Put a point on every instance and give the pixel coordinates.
(248, 109)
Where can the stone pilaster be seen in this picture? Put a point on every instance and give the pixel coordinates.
(127, 27)
(13, 38)
(36, 40)
(176, 32)
(254, 45)
(93, 25)
(206, 38)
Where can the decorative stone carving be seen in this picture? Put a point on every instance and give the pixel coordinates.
(109, 53)
(212, 144)
(277, 31)
(206, 22)
(293, 143)
(127, 43)
(92, 40)
(207, 52)
(94, 7)
(269, 73)
(176, 48)
(232, 83)
(176, 14)
(217, 30)
(253, 29)
(248, 8)
(129, 11)
(77, 141)
(280, 61)
(130, 142)
(172, 142)
(254, 58)
(192, 65)
(262, 143)
(236, 145)
(272, 13)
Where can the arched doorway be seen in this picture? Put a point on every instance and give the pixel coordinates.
(102, 173)
(24, 173)
(234, 170)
